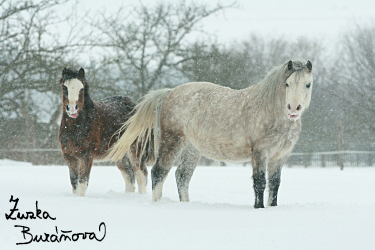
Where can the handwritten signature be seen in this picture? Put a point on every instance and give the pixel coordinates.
(64, 236)
(59, 236)
(39, 214)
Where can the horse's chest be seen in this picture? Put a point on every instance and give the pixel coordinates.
(289, 139)
(281, 143)
(76, 140)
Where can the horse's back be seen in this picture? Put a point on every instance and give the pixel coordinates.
(201, 101)
(121, 103)
(209, 116)
(112, 113)
(194, 87)
(116, 109)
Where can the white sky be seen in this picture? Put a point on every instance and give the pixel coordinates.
(322, 19)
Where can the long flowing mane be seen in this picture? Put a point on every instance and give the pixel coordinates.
(269, 93)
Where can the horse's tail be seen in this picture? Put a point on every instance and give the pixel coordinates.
(142, 127)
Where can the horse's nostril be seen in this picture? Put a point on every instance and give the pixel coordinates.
(299, 107)
(288, 106)
(76, 107)
(67, 108)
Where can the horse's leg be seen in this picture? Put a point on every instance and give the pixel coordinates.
(73, 171)
(171, 143)
(84, 173)
(142, 177)
(189, 160)
(259, 163)
(274, 174)
(140, 170)
(127, 172)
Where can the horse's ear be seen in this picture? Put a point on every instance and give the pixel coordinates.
(81, 74)
(290, 65)
(62, 77)
(309, 65)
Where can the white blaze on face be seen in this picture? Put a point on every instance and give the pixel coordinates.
(74, 86)
(298, 94)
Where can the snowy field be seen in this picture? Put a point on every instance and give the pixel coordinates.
(318, 209)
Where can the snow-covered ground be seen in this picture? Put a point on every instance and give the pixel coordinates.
(318, 209)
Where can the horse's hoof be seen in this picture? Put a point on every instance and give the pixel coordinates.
(155, 199)
(81, 189)
(256, 206)
(130, 190)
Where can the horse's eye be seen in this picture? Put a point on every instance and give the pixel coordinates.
(286, 84)
(308, 85)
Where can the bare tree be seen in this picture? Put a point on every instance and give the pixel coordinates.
(30, 57)
(356, 61)
(243, 63)
(237, 66)
(146, 42)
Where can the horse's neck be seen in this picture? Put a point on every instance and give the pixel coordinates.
(265, 102)
(89, 106)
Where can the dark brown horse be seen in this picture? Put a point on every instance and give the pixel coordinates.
(87, 131)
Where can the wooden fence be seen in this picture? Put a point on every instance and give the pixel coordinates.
(344, 158)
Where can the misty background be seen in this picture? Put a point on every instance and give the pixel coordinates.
(134, 47)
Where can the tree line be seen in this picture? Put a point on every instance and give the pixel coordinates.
(141, 48)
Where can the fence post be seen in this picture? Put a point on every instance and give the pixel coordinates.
(340, 145)
(290, 164)
(306, 160)
(370, 159)
(323, 160)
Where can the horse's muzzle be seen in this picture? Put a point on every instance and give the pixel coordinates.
(293, 116)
